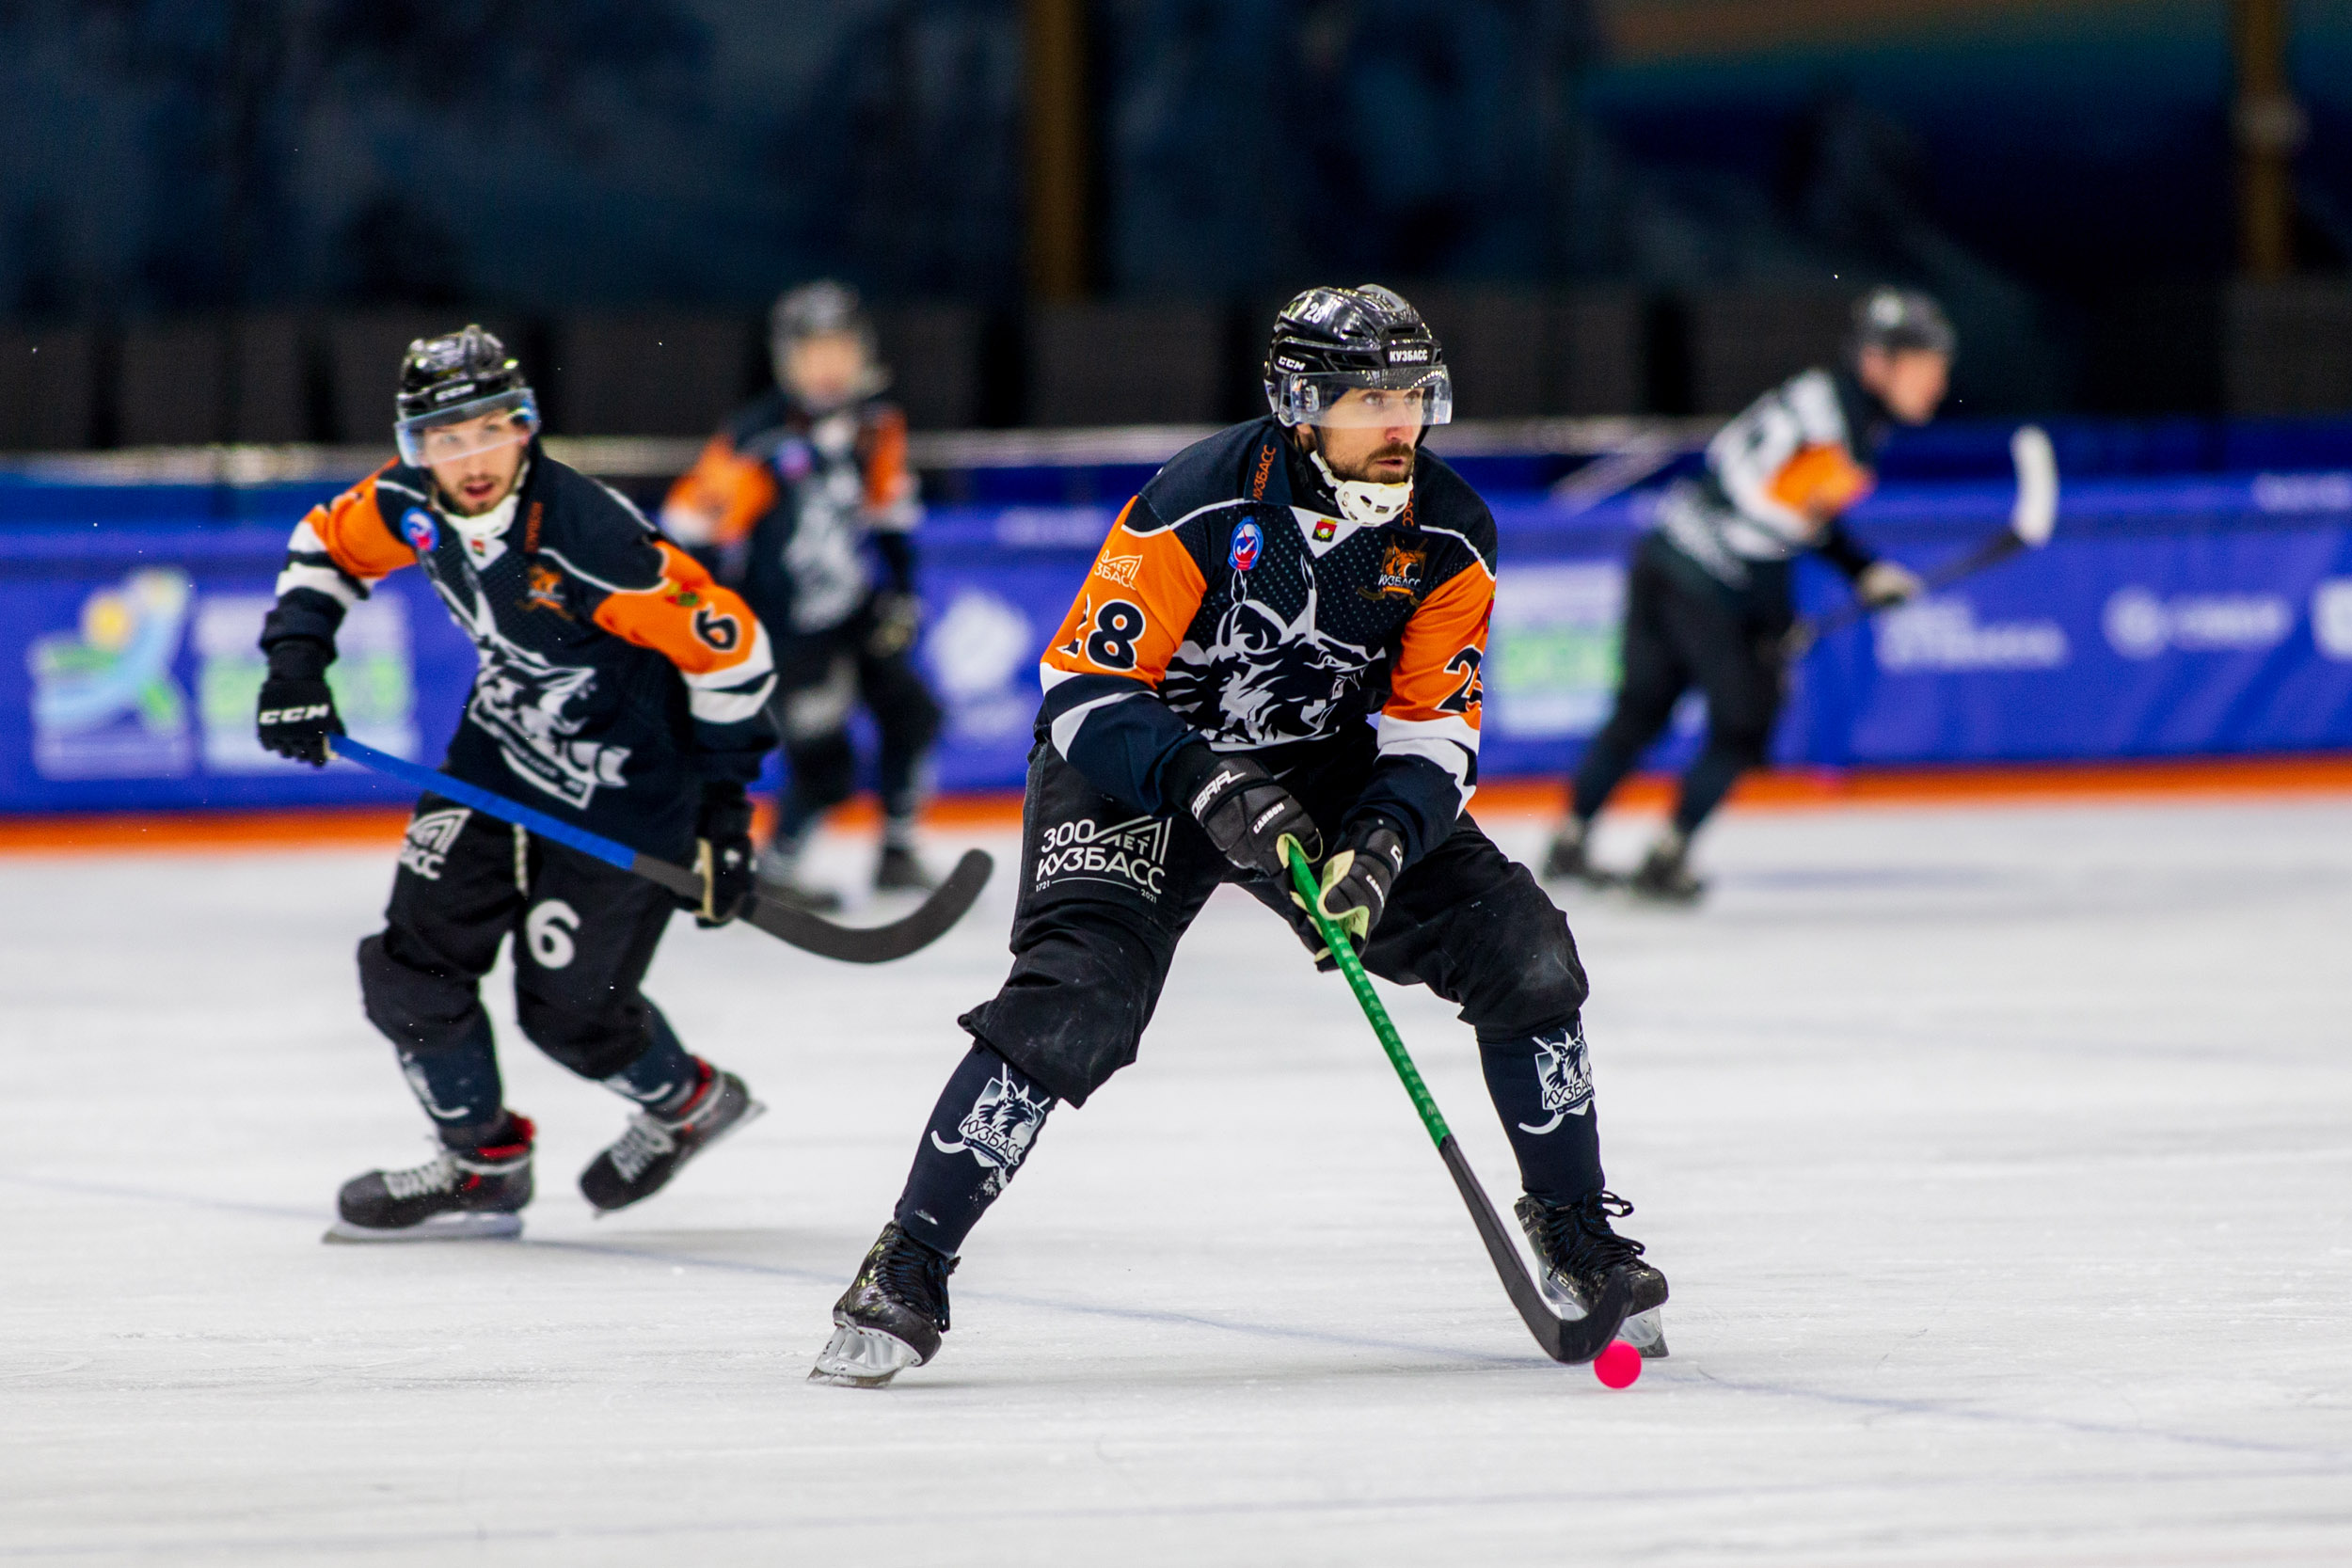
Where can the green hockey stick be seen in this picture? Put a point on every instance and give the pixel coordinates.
(1564, 1339)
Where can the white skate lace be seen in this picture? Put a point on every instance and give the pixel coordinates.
(435, 1176)
(646, 1141)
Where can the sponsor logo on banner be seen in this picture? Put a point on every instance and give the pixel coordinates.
(983, 654)
(1249, 541)
(373, 678)
(2140, 624)
(1945, 634)
(1551, 662)
(105, 703)
(2331, 617)
(2303, 492)
(417, 525)
(1130, 854)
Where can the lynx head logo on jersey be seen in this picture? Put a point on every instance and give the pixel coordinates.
(417, 525)
(1248, 542)
(1563, 1076)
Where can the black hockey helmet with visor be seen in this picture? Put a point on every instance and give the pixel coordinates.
(824, 308)
(1330, 341)
(461, 393)
(1895, 321)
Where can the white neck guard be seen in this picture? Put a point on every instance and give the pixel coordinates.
(490, 525)
(1361, 500)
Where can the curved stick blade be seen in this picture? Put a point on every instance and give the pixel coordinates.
(875, 944)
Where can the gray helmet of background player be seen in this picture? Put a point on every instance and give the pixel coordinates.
(825, 309)
(1893, 320)
(456, 379)
(1329, 341)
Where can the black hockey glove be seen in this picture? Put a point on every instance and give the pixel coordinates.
(296, 713)
(1245, 812)
(896, 618)
(722, 828)
(1358, 877)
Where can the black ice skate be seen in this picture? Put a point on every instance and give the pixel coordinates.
(900, 871)
(1567, 860)
(1581, 1253)
(890, 1317)
(654, 1147)
(1665, 873)
(461, 1194)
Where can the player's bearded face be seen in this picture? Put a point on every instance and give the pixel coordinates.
(1379, 450)
(478, 480)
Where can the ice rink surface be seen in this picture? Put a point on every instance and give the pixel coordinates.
(2000, 1159)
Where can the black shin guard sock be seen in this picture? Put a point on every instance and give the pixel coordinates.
(1542, 1087)
(665, 1075)
(987, 1119)
(458, 1086)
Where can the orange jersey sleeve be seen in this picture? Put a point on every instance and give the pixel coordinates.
(1434, 680)
(351, 530)
(887, 482)
(1819, 482)
(719, 500)
(1131, 615)
(707, 631)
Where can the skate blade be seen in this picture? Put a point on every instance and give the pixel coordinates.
(1647, 1333)
(440, 1227)
(862, 1358)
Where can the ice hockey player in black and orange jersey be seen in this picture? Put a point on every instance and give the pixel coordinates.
(1708, 601)
(1278, 643)
(795, 502)
(619, 689)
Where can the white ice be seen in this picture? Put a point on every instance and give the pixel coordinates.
(1998, 1157)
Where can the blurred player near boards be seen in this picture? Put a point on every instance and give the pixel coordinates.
(1708, 599)
(1207, 702)
(619, 689)
(782, 504)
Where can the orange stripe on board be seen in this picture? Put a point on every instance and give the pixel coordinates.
(1783, 789)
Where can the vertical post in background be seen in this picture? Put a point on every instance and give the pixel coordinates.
(1054, 52)
(2269, 126)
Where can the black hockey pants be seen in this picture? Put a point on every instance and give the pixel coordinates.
(819, 679)
(1682, 629)
(584, 935)
(1106, 893)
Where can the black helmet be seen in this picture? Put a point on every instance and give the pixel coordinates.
(460, 376)
(1329, 340)
(819, 309)
(1892, 320)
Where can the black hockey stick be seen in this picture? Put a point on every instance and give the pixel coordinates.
(1564, 1339)
(2030, 522)
(811, 933)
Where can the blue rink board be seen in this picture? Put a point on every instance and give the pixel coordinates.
(2171, 616)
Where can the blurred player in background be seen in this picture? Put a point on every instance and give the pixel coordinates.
(619, 689)
(784, 503)
(1273, 588)
(1709, 598)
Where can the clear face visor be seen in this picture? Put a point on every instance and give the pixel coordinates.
(1368, 399)
(462, 430)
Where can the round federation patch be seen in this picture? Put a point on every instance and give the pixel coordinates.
(1247, 542)
(417, 523)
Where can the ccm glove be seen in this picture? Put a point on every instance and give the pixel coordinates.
(1246, 814)
(296, 714)
(723, 831)
(1887, 582)
(1358, 877)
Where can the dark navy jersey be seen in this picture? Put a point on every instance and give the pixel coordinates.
(783, 503)
(614, 675)
(1233, 603)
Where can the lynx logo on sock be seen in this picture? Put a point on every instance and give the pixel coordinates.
(999, 1128)
(1564, 1075)
(430, 840)
(1131, 854)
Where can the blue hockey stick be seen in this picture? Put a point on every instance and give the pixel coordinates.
(811, 933)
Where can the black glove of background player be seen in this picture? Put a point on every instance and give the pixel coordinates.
(296, 713)
(1358, 877)
(1246, 814)
(896, 618)
(723, 828)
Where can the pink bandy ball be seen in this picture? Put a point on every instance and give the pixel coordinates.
(1618, 1364)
